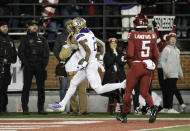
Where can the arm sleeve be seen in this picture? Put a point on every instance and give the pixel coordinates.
(46, 59)
(64, 53)
(174, 29)
(164, 57)
(130, 48)
(21, 50)
(13, 57)
(102, 43)
(180, 68)
(155, 54)
(1, 58)
(57, 48)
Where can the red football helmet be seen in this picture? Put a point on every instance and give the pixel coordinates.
(141, 21)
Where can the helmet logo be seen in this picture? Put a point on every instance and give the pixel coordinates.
(79, 22)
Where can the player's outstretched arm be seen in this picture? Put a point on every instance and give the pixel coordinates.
(102, 50)
(86, 48)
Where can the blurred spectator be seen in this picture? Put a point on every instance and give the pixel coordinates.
(170, 62)
(71, 10)
(8, 55)
(114, 71)
(14, 11)
(4, 9)
(127, 21)
(70, 51)
(164, 8)
(53, 26)
(48, 10)
(27, 11)
(161, 45)
(34, 54)
(112, 10)
(112, 21)
(182, 21)
(148, 6)
(91, 10)
(59, 42)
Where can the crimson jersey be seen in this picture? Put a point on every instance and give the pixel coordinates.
(142, 46)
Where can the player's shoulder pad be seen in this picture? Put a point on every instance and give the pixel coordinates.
(81, 36)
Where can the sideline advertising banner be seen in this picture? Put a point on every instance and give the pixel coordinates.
(17, 77)
(164, 23)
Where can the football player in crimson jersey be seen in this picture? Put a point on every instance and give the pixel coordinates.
(143, 52)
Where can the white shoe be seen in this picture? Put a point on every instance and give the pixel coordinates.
(183, 106)
(172, 111)
(148, 109)
(164, 110)
(138, 111)
(49, 110)
(124, 84)
(57, 107)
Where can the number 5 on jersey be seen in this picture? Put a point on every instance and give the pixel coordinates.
(145, 48)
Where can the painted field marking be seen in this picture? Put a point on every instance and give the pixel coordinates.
(52, 123)
(167, 127)
(36, 126)
(2, 128)
(8, 130)
(95, 119)
(8, 127)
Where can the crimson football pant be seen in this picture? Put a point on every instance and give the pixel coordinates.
(135, 73)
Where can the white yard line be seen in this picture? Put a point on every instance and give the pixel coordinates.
(52, 123)
(167, 127)
(38, 126)
(50, 119)
(7, 130)
(12, 128)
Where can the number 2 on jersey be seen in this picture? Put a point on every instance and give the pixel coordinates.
(145, 48)
(95, 46)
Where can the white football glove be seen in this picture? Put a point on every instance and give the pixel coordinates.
(122, 59)
(82, 66)
(101, 57)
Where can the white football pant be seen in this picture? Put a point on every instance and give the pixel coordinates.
(91, 73)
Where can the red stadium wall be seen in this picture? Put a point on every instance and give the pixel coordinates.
(52, 81)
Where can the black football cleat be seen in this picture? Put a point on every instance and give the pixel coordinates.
(124, 120)
(153, 114)
(118, 117)
(122, 117)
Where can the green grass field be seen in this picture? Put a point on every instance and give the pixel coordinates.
(180, 128)
(105, 115)
(91, 115)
